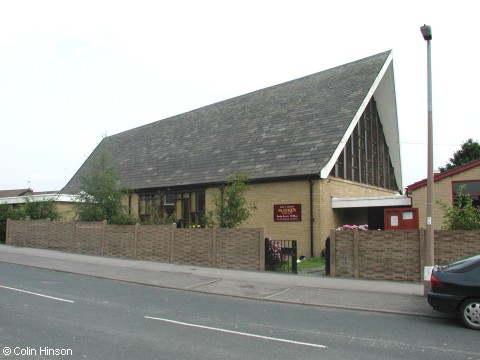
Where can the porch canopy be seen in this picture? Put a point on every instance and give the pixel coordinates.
(366, 202)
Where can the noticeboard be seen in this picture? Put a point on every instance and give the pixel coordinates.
(287, 212)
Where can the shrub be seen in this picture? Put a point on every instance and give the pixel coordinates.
(353, 227)
(231, 207)
(463, 215)
(274, 258)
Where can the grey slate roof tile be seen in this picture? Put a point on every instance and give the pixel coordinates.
(290, 129)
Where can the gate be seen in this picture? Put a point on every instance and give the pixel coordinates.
(281, 255)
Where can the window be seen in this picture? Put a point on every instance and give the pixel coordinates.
(169, 199)
(186, 208)
(365, 157)
(467, 188)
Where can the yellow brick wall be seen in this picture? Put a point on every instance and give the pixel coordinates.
(442, 190)
(66, 210)
(335, 187)
(265, 196)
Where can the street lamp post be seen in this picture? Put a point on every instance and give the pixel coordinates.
(429, 244)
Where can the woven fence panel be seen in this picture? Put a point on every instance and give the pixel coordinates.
(17, 232)
(153, 243)
(344, 264)
(37, 234)
(119, 241)
(193, 246)
(61, 235)
(454, 245)
(238, 249)
(389, 255)
(88, 237)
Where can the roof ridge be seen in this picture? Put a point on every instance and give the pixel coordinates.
(387, 52)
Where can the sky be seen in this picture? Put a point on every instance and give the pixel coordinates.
(72, 72)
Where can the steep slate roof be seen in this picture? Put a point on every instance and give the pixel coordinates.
(288, 130)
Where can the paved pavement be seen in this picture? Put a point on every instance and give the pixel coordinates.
(312, 289)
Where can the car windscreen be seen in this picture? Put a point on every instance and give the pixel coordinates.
(463, 264)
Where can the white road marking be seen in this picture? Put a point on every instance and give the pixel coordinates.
(202, 284)
(276, 294)
(237, 332)
(36, 294)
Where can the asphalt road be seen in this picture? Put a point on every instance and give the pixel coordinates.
(44, 313)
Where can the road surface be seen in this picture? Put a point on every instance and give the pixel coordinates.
(45, 314)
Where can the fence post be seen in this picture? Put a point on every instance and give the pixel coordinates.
(104, 226)
(26, 233)
(172, 242)
(74, 234)
(7, 236)
(214, 247)
(261, 242)
(135, 241)
(421, 239)
(356, 269)
(48, 233)
(332, 253)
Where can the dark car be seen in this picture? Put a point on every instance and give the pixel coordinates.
(456, 288)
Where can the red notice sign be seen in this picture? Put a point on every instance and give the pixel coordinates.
(288, 212)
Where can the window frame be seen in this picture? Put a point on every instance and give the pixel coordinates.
(459, 183)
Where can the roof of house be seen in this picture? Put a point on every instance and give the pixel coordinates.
(445, 174)
(293, 129)
(14, 192)
(40, 196)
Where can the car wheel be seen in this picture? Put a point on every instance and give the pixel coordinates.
(470, 313)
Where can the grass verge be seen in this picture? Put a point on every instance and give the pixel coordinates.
(310, 263)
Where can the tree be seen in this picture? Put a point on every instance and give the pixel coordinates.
(463, 215)
(102, 192)
(6, 212)
(231, 207)
(469, 151)
(34, 210)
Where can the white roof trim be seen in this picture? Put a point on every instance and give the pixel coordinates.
(381, 201)
(41, 197)
(392, 140)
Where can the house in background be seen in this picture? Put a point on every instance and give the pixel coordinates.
(446, 186)
(320, 151)
(14, 197)
(17, 197)
(14, 193)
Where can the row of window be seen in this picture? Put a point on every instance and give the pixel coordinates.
(187, 208)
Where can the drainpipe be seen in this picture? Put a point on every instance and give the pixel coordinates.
(311, 216)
